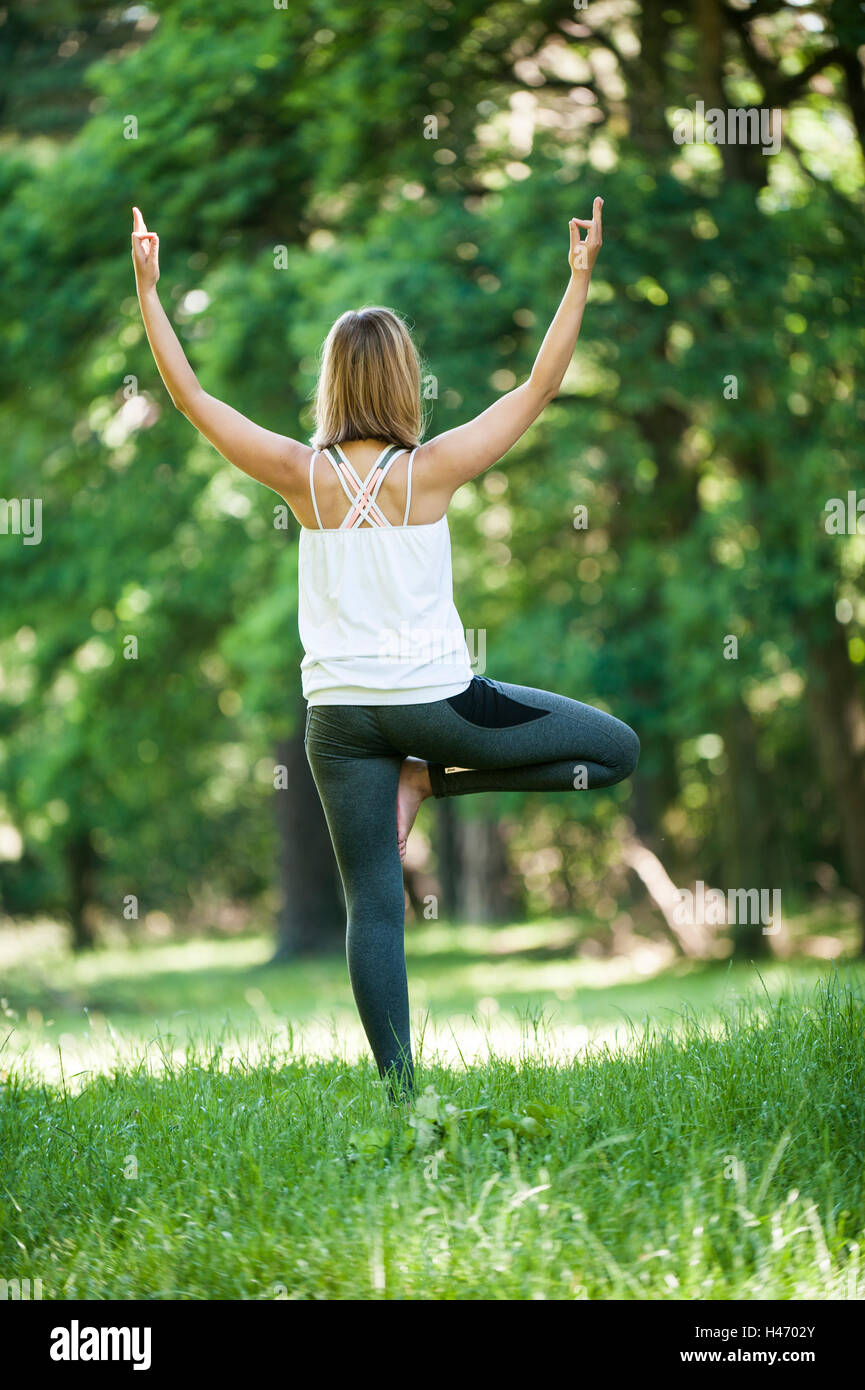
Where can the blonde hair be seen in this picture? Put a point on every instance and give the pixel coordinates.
(369, 381)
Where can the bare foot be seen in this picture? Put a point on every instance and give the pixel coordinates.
(414, 787)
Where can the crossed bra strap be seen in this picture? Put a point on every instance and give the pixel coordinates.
(363, 500)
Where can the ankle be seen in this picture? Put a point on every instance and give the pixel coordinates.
(417, 771)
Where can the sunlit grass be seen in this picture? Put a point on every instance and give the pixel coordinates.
(700, 1163)
(215, 1128)
(470, 987)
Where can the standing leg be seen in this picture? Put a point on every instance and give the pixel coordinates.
(358, 794)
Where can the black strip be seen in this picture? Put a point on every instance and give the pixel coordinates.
(482, 703)
(394, 449)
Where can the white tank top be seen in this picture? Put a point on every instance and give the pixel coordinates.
(375, 609)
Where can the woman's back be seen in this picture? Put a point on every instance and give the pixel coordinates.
(428, 501)
(375, 591)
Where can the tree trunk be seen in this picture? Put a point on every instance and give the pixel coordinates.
(692, 938)
(836, 708)
(80, 869)
(312, 914)
(487, 892)
(648, 72)
(745, 826)
(447, 850)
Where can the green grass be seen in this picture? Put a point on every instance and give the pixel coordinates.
(696, 1133)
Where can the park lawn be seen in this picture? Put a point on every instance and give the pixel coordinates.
(480, 983)
(694, 1133)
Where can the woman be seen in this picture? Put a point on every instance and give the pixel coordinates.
(394, 714)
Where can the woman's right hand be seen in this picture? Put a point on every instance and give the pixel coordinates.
(145, 253)
(584, 253)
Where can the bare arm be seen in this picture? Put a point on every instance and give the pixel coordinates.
(273, 459)
(461, 453)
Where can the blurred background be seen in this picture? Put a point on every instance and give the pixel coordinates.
(675, 540)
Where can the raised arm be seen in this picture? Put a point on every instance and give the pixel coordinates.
(450, 459)
(273, 459)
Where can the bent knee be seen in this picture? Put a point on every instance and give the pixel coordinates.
(629, 750)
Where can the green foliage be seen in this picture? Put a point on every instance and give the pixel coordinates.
(299, 133)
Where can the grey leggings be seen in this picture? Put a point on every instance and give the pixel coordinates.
(511, 737)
